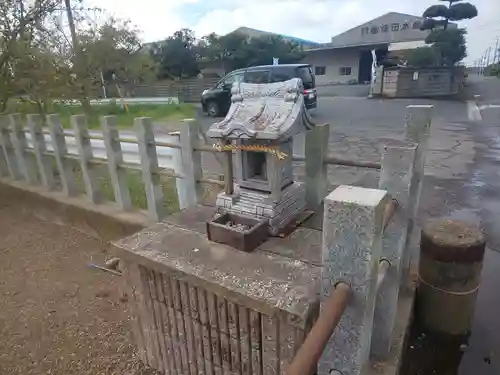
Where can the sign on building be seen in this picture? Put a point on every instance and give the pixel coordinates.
(393, 27)
(276, 60)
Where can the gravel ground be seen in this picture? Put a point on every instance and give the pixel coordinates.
(57, 316)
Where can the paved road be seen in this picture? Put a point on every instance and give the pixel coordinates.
(462, 181)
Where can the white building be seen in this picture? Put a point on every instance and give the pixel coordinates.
(347, 58)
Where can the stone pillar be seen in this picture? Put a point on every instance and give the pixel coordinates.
(25, 161)
(352, 241)
(191, 160)
(396, 177)
(451, 260)
(418, 126)
(114, 154)
(149, 164)
(8, 149)
(89, 175)
(43, 160)
(64, 166)
(316, 169)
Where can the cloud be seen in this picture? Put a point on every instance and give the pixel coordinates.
(316, 20)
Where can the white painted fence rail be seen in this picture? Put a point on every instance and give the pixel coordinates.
(143, 101)
(168, 158)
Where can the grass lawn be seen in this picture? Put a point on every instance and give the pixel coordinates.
(158, 112)
(135, 185)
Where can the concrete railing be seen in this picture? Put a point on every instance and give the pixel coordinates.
(366, 232)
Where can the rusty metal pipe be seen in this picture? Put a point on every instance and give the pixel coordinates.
(306, 359)
(330, 159)
(390, 210)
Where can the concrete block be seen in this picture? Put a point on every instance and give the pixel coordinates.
(352, 241)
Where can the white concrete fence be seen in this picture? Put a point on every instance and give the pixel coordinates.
(366, 232)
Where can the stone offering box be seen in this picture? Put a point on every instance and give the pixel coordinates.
(243, 233)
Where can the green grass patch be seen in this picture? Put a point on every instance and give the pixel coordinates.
(125, 115)
(135, 185)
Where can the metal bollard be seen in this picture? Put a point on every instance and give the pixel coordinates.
(449, 275)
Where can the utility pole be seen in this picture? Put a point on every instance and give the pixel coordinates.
(496, 54)
(72, 29)
(77, 57)
(488, 56)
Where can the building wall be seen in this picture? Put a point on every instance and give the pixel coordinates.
(425, 82)
(332, 61)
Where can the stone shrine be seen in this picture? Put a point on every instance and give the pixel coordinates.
(260, 126)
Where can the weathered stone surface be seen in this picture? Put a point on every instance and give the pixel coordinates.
(259, 205)
(263, 111)
(215, 309)
(398, 165)
(269, 284)
(352, 240)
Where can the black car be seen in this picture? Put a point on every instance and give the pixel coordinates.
(217, 100)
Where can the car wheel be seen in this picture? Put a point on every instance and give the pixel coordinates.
(212, 109)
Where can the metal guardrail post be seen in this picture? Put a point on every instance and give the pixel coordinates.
(66, 173)
(396, 177)
(114, 154)
(352, 241)
(44, 161)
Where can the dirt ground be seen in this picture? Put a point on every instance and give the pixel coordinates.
(57, 315)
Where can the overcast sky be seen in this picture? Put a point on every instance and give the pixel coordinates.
(316, 20)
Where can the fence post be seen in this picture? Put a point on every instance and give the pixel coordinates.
(40, 148)
(24, 160)
(64, 166)
(149, 162)
(316, 170)
(82, 139)
(117, 174)
(417, 127)
(180, 183)
(4, 170)
(396, 177)
(8, 149)
(191, 160)
(352, 241)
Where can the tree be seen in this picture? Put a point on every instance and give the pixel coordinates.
(234, 51)
(114, 53)
(21, 27)
(448, 43)
(177, 55)
(423, 57)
